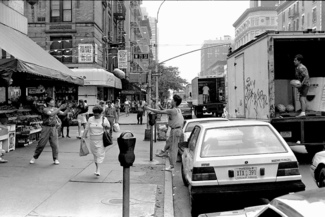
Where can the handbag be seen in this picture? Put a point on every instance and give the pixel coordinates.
(107, 139)
(84, 151)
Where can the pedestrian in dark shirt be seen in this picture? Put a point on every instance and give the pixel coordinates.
(303, 76)
(49, 131)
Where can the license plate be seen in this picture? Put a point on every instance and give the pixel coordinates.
(286, 134)
(246, 172)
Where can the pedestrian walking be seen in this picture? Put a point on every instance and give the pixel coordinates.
(175, 122)
(65, 119)
(95, 126)
(49, 131)
(140, 112)
(82, 113)
(117, 107)
(127, 107)
(87, 114)
(110, 114)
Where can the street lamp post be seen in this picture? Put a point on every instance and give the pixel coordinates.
(156, 36)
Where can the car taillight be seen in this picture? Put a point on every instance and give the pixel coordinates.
(288, 169)
(203, 173)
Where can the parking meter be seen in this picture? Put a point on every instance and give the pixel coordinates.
(126, 143)
(152, 119)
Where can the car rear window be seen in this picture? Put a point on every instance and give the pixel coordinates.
(191, 125)
(246, 140)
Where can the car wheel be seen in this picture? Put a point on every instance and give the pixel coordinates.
(321, 178)
(184, 177)
(195, 211)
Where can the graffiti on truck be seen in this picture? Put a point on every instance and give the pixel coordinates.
(255, 99)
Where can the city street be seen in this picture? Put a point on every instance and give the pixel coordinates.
(71, 189)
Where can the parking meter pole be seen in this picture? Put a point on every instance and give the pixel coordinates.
(126, 191)
(151, 142)
(126, 143)
(156, 132)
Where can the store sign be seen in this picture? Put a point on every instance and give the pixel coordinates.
(122, 59)
(85, 54)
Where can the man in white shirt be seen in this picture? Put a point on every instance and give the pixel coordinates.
(206, 90)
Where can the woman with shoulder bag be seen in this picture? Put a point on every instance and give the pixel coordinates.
(95, 126)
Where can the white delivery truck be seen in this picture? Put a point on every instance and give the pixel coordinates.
(258, 85)
(214, 101)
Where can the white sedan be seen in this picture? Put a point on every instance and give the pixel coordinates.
(318, 169)
(234, 158)
(309, 203)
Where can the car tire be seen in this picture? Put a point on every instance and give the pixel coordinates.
(194, 206)
(184, 177)
(321, 178)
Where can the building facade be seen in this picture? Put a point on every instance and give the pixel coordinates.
(301, 15)
(214, 51)
(260, 17)
(12, 15)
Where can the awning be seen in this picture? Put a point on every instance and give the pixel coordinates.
(118, 83)
(96, 77)
(30, 58)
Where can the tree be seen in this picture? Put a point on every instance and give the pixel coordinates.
(169, 80)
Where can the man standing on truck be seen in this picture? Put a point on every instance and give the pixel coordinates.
(303, 76)
(206, 90)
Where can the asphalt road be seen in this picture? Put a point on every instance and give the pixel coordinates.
(182, 206)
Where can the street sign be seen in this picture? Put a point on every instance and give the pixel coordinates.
(122, 59)
(141, 56)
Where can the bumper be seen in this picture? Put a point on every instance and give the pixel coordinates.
(257, 189)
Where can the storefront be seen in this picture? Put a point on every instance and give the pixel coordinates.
(99, 85)
(26, 79)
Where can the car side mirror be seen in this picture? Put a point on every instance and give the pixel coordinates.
(183, 145)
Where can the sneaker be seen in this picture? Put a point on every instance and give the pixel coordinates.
(32, 161)
(302, 114)
(78, 137)
(56, 162)
(3, 160)
(170, 169)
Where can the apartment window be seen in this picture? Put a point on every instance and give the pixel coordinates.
(302, 3)
(289, 26)
(61, 48)
(303, 21)
(272, 21)
(283, 17)
(256, 21)
(314, 15)
(267, 21)
(297, 24)
(252, 21)
(61, 11)
(289, 12)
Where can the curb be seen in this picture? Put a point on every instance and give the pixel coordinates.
(168, 198)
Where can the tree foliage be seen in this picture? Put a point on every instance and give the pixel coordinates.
(169, 80)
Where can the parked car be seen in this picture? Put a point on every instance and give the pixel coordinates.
(236, 158)
(309, 203)
(318, 168)
(186, 110)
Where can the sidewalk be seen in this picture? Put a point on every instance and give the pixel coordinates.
(71, 189)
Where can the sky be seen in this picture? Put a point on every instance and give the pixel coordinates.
(184, 25)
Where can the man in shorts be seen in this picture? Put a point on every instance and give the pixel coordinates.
(303, 76)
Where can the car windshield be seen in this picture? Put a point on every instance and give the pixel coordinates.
(245, 140)
(191, 125)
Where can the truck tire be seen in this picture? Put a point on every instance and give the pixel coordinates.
(313, 149)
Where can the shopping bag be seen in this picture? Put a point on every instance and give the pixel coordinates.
(84, 151)
(107, 138)
(116, 127)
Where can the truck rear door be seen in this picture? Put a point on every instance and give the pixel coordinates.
(239, 86)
